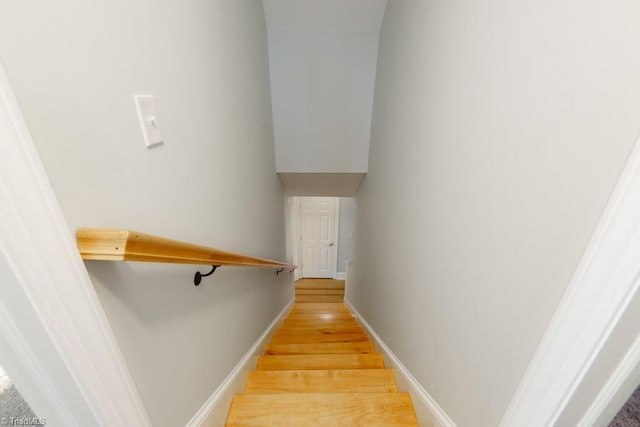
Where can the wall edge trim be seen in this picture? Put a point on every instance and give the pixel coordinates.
(40, 249)
(622, 372)
(603, 283)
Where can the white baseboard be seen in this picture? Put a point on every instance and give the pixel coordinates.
(341, 275)
(429, 413)
(214, 412)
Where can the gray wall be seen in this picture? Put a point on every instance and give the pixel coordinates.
(499, 130)
(75, 67)
(346, 231)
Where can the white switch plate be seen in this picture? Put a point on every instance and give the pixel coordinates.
(148, 119)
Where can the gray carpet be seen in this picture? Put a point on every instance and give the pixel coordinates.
(629, 415)
(12, 405)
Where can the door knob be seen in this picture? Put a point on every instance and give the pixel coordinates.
(330, 244)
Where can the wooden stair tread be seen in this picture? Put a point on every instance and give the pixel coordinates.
(319, 292)
(319, 323)
(318, 338)
(323, 306)
(318, 311)
(326, 329)
(321, 369)
(320, 361)
(321, 315)
(362, 347)
(310, 316)
(320, 284)
(319, 298)
(322, 409)
(322, 381)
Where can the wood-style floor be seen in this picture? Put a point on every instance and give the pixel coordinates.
(321, 369)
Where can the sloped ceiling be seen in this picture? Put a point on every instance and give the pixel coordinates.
(324, 15)
(322, 64)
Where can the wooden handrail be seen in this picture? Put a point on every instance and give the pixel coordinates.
(127, 245)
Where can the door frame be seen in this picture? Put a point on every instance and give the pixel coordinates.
(40, 251)
(336, 238)
(298, 235)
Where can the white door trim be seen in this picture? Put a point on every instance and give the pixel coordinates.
(336, 237)
(297, 247)
(604, 282)
(40, 250)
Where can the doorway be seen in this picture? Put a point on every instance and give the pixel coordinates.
(319, 222)
(320, 235)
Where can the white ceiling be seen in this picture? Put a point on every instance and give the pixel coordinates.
(324, 15)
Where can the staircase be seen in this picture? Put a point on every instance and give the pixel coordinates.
(320, 369)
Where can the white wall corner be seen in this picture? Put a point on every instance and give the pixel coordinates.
(600, 290)
(214, 411)
(41, 252)
(429, 413)
(340, 275)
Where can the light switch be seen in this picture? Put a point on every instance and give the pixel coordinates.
(148, 119)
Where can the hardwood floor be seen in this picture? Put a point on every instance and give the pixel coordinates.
(321, 369)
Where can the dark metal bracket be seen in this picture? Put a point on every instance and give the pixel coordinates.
(279, 271)
(198, 277)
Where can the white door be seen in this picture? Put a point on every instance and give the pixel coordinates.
(318, 236)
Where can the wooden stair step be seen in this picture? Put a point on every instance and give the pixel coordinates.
(299, 309)
(320, 361)
(322, 409)
(319, 298)
(325, 317)
(319, 292)
(319, 312)
(320, 315)
(321, 369)
(326, 329)
(320, 284)
(336, 381)
(362, 347)
(318, 338)
(320, 306)
(319, 323)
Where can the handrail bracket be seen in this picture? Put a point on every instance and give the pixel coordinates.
(198, 277)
